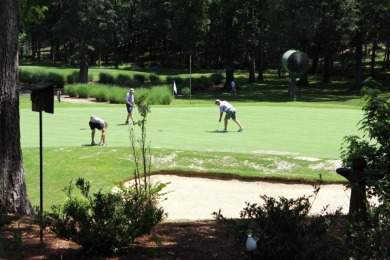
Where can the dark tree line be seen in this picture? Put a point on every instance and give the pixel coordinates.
(223, 34)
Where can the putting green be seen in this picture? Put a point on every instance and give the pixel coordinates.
(306, 131)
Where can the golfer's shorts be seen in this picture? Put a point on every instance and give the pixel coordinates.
(96, 124)
(231, 113)
(129, 108)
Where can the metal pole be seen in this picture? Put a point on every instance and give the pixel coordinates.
(190, 79)
(40, 176)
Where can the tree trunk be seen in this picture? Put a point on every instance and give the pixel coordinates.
(358, 62)
(229, 77)
(83, 75)
(13, 193)
(116, 52)
(326, 72)
(387, 56)
(260, 65)
(373, 54)
(252, 69)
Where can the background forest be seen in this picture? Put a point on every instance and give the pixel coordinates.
(337, 35)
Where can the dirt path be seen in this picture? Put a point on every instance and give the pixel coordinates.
(193, 198)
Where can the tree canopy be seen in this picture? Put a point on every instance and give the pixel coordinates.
(218, 34)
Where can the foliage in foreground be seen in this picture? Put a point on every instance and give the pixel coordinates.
(106, 222)
(283, 228)
(368, 239)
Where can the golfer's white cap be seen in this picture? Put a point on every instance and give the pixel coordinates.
(217, 100)
(132, 90)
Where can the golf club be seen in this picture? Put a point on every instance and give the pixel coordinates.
(134, 118)
(218, 127)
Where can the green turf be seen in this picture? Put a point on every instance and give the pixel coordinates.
(183, 136)
(309, 131)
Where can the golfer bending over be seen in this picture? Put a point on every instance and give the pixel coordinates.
(230, 112)
(95, 122)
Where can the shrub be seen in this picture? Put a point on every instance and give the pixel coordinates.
(71, 90)
(154, 79)
(178, 80)
(283, 227)
(205, 82)
(25, 76)
(56, 79)
(124, 80)
(367, 239)
(116, 95)
(72, 78)
(99, 92)
(83, 91)
(217, 78)
(105, 78)
(140, 78)
(185, 91)
(106, 222)
(161, 95)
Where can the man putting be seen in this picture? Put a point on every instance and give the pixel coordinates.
(96, 122)
(230, 112)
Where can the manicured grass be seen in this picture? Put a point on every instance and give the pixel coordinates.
(310, 131)
(282, 138)
(279, 140)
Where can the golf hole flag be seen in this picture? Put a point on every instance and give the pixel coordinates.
(174, 87)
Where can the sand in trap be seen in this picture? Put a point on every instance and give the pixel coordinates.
(192, 198)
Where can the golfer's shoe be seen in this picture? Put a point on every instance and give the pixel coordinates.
(223, 131)
(239, 130)
(93, 143)
(127, 122)
(134, 122)
(102, 144)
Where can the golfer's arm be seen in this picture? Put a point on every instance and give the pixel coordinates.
(220, 116)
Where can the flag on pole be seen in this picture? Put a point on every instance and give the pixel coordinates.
(174, 87)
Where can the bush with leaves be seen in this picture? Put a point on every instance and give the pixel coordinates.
(367, 240)
(217, 78)
(124, 81)
(139, 78)
(105, 223)
(106, 78)
(283, 227)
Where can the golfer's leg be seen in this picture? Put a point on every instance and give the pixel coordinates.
(225, 123)
(237, 122)
(93, 135)
(103, 138)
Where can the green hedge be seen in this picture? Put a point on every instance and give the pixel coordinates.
(157, 95)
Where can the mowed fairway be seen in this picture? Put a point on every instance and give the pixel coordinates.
(307, 131)
(272, 131)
